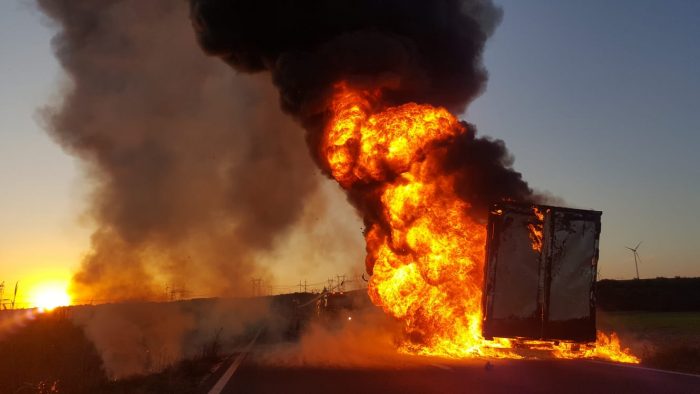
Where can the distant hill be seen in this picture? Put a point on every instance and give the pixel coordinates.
(660, 294)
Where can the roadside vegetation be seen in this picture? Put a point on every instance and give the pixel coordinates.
(47, 353)
(659, 319)
(668, 340)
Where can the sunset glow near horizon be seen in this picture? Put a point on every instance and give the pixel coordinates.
(589, 113)
(47, 296)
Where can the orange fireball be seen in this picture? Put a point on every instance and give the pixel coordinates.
(426, 254)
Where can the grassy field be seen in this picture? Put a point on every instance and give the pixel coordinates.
(667, 340)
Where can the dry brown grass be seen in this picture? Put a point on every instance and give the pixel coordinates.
(48, 353)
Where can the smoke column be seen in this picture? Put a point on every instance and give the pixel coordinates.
(193, 172)
(408, 51)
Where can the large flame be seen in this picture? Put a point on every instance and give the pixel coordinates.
(537, 230)
(425, 252)
(606, 347)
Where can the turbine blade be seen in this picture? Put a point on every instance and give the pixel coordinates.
(629, 248)
(637, 247)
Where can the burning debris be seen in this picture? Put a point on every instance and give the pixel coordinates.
(375, 85)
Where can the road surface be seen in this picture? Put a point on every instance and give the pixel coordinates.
(472, 376)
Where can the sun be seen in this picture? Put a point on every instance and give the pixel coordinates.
(48, 296)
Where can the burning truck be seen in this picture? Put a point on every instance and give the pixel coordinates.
(377, 86)
(541, 265)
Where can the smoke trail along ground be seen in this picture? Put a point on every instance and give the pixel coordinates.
(194, 173)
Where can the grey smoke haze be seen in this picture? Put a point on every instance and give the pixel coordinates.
(194, 171)
(142, 337)
(368, 340)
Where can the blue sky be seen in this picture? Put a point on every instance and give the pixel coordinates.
(599, 102)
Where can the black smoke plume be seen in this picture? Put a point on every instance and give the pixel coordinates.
(425, 51)
(415, 50)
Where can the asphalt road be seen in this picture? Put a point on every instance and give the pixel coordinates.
(504, 376)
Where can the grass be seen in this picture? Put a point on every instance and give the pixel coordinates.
(666, 340)
(48, 353)
(45, 354)
(182, 378)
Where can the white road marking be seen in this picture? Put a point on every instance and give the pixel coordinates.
(219, 386)
(632, 366)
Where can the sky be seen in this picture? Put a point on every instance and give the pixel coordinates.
(598, 101)
(41, 237)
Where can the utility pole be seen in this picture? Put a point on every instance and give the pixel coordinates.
(184, 293)
(14, 297)
(341, 283)
(304, 285)
(174, 293)
(257, 287)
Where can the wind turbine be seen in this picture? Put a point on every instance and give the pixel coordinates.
(636, 257)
